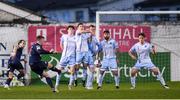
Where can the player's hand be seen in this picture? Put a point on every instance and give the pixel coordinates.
(117, 60)
(25, 61)
(51, 51)
(133, 57)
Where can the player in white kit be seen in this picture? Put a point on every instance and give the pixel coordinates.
(68, 58)
(109, 48)
(143, 49)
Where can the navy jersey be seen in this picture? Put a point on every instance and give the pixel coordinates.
(35, 53)
(17, 57)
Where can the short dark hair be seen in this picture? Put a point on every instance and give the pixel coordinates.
(142, 34)
(79, 24)
(106, 31)
(70, 26)
(21, 41)
(91, 25)
(39, 37)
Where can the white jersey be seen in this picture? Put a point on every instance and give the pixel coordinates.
(69, 45)
(82, 42)
(142, 51)
(109, 48)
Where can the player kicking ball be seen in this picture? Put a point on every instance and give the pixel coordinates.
(39, 66)
(15, 63)
(109, 48)
(68, 58)
(143, 50)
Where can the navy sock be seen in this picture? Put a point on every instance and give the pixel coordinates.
(8, 81)
(49, 81)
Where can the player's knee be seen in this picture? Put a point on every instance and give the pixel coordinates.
(115, 73)
(50, 65)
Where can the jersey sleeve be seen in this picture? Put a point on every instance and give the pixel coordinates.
(133, 49)
(62, 39)
(40, 50)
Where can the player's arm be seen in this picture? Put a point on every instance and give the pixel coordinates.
(40, 50)
(62, 42)
(13, 53)
(131, 53)
(153, 50)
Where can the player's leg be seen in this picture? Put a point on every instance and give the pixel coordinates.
(63, 64)
(102, 70)
(48, 80)
(84, 74)
(156, 72)
(10, 76)
(39, 68)
(71, 79)
(114, 69)
(134, 71)
(90, 77)
(21, 71)
(79, 57)
(71, 63)
(53, 68)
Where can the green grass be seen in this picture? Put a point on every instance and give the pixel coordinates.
(143, 91)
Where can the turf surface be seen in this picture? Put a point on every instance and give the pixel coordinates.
(143, 91)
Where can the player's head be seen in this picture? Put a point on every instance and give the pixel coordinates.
(92, 29)
(40, 39)
(106, 34)
(21, 43)
(141, 37)
(70, 30)
(80, 26)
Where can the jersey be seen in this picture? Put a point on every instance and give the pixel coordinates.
(82, 42)
(35, 53)
(93, 45)
(142, 51)
(17, 57)
(69, 45)
(108, 48)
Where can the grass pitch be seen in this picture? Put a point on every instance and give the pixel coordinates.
(151, 90)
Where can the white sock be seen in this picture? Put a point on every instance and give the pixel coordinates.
(116, 78)
(71, 79)
(58, 77)
(100, 80)
(90, 78)
(133, 81)
(161, 79)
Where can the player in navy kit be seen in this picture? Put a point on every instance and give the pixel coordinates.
(39, 66)
(15, 62)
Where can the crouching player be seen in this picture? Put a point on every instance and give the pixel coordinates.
(68, 58)
(143, 49)
(109, 48)
(15, 62)
(93, 47)
(39, 66)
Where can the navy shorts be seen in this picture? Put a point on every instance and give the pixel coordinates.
(39, 67)
(15, 65)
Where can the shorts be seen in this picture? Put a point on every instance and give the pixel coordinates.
(39, 67)
(15, 65)
(68, 61)
(147, 65)
(109, 64)
(91, 60)
(82, 57)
